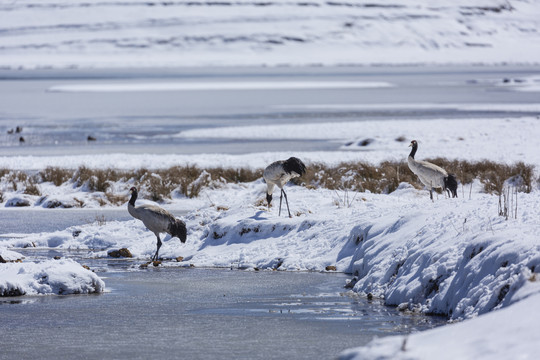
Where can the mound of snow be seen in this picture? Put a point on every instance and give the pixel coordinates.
(18, 201)
(59, 277)
(446, 258)
(9, 256)
(506, 334)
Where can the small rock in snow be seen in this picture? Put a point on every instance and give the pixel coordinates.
(123, 252)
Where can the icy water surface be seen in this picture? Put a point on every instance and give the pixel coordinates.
(201, 314)
(25, 221)
(58, 112)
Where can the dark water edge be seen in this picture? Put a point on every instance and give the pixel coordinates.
(201, 314)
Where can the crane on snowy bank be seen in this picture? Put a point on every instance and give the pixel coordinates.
(279, 173)
(431, 175)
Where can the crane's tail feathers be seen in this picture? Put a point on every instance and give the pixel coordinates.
(178, 229)
(451, 184)
(296, 165)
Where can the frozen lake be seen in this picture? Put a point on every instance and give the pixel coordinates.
(143, 111)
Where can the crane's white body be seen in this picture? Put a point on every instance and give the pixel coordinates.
(157, 220)
(431, 175)
(275, 175)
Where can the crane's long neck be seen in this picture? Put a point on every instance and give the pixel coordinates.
(132, 210)
(413, 150)
(134, 195)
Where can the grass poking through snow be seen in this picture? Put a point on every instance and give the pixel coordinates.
(188, 181)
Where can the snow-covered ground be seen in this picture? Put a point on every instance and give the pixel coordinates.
(141, 33)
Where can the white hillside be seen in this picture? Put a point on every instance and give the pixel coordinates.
(140, 33)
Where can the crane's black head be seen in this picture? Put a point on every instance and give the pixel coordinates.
(178, 229)
(296, 165)
(414, 146)
(268, 198)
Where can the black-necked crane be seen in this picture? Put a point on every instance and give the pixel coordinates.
(431, 175)
(157, 220)
(279, 173)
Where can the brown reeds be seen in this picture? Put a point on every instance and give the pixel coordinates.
(160, 185)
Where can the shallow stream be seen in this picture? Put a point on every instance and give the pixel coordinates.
(200, 314)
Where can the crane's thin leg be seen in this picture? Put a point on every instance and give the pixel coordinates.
(287, 202)
(280, 200)
(155, 257)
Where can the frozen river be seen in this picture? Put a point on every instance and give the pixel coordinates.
(143, 111)
(200, 314)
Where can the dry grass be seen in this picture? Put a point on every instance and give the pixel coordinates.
(56, 175)
(360, 176)
(96, 179)
(32, 188)
(160, 185)
(13, 179)
(116, 199)
(385, 178)
(493, 175)
(230, 175)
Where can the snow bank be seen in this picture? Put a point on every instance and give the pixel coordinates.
(61, 277)
(448, 259)
(506, 334)
(9, 256)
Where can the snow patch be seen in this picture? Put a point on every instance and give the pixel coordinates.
(60, 277)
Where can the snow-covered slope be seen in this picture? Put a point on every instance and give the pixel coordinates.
(141, 33)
